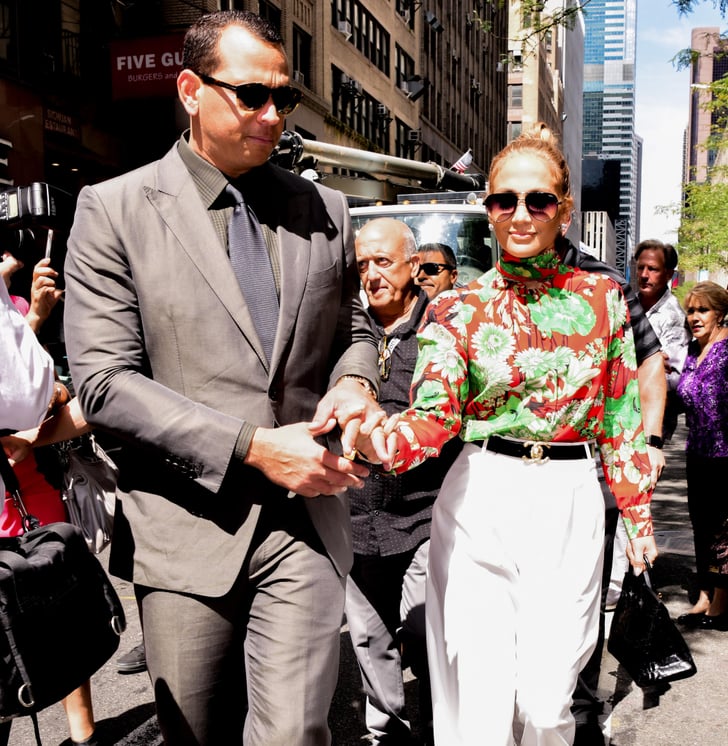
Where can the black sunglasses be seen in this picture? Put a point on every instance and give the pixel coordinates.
(541, 206)
(434, 268)
(254, 96)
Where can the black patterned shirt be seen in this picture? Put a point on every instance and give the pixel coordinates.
(392, 514)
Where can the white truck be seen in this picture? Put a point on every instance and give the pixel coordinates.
(440, 205)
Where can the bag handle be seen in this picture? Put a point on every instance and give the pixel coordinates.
(646, 572)
(13, 487)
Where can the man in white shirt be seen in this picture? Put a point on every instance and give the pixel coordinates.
(656, 263)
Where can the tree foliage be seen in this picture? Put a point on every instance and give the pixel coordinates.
(537, 19)
(688, 6)
(703, 232)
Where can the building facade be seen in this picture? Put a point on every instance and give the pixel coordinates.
(710, 64)
(545, 77)
(609, 107)
(418, 79)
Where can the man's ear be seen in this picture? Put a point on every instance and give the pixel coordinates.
(188, 87)
(415, 264)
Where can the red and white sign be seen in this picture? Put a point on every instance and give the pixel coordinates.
(145, 67)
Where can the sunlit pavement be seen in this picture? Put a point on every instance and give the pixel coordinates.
(692, 711)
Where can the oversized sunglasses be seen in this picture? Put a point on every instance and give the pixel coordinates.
(434, 268)
(254, 96)
(541, 206)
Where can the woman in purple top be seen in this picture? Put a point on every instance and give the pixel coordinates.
(703, 390)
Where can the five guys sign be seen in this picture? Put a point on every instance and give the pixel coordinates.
(145, 67)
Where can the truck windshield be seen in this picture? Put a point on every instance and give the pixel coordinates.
(465, 232)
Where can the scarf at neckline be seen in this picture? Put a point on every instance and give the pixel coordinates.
(541, 267)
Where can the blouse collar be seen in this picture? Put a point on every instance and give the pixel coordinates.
(541, 267)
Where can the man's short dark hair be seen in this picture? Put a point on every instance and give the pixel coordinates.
(443, 248)
(200, 47)
(668, 251)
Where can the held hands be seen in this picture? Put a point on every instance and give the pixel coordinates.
(354, 410)
(377, 441)
(290, 457)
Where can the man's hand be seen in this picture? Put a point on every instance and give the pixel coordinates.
(43, 294)
(349, 406)
(638, 548)
(290, 457)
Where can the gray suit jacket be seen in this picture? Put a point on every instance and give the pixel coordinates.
(163, 352)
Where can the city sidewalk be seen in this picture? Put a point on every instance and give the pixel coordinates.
(691, 712)
(694, 710)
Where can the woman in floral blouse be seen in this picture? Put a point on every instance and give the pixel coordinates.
(531, 365)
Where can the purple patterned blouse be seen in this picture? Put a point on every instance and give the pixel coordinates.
(703, 390)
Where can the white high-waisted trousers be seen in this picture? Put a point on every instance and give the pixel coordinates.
(513, 594)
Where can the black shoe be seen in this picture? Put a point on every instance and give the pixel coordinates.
(135, 661)
(588, 733)
(718, 622)
(691, 620)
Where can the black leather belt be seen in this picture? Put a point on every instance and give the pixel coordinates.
(531, 450)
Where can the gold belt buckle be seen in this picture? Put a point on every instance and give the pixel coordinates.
(536, 455)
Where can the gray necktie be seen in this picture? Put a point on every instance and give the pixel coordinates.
(251, 264)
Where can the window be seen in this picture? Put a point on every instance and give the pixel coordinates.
(404, 64)
(301, 57)
(353, 106)
(270, 13)
(366, 34)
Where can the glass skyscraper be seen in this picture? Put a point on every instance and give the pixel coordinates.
(609, 106)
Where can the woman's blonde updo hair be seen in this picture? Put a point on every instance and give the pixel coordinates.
(540, 141)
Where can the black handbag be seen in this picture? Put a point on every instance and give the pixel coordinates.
(644, 639)
(89, 490)
(60, 617)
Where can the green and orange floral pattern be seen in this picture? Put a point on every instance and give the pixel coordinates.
(538, 351)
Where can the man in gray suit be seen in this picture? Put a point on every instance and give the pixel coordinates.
(232, 519)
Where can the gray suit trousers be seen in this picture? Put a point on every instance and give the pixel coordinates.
(257, 666)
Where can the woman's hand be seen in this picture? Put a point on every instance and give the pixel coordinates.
(637, 549)
(16, 448)
(377, 441)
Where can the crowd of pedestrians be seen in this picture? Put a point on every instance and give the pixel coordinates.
(315, 425)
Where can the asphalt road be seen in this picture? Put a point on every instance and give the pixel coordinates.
(692, 711)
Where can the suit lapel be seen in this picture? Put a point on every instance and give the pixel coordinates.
(178, 202)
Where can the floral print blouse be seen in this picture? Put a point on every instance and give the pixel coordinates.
(703, 390)
(539, 351)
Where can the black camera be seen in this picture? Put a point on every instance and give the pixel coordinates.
(28, 213)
